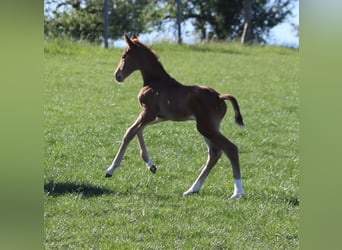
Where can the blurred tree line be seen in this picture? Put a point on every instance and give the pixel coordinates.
(212, 19)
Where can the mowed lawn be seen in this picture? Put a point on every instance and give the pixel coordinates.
(86, 114)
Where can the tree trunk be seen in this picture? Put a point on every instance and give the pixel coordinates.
(179, 21)
(247, 29)
(105, 23)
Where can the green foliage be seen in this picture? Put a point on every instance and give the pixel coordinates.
(84, 20)
(222, 19)
(126, 17)
(212, 19)
(75, 22)
(86, 114)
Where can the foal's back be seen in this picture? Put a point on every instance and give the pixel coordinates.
(178, 102)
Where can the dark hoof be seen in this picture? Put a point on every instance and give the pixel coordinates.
(153, 169)
(108, 175)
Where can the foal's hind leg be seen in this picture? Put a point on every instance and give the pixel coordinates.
(231, 150)
(214, 154)
(212, 132)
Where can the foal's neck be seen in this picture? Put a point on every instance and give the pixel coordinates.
(154, 73)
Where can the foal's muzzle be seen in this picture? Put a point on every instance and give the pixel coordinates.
(119, 76)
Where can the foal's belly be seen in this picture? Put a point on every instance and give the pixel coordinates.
(175, 117)
(175, 111)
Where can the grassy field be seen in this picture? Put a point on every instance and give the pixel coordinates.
(86, 114)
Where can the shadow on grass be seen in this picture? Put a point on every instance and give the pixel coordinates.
(61, 188)
(293, 201)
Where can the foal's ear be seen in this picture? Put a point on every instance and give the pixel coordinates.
(134, 36)
(129, 41)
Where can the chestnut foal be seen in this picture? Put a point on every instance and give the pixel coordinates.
(162, 98)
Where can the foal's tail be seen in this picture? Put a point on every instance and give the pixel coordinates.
(238, 116)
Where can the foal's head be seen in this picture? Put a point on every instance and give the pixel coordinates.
(136, 56)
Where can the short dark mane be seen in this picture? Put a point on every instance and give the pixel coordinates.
(140, 44)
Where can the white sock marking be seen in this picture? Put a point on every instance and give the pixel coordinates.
(193, 189)
(238, 189)
(110, 170)
(149, 163)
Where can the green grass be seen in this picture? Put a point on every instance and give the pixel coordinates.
(86, 114)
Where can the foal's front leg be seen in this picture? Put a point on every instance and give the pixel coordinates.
(129, 135)
(144, 153)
